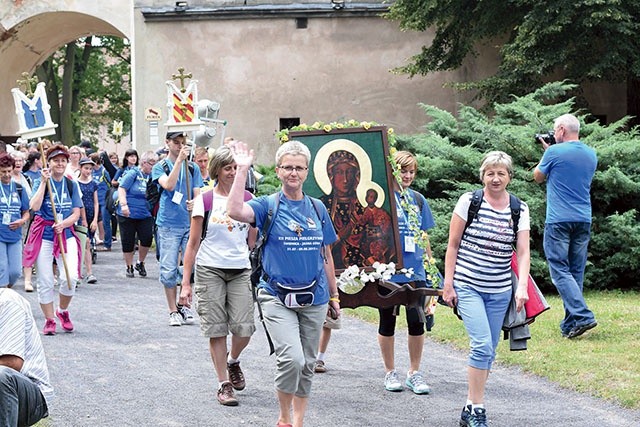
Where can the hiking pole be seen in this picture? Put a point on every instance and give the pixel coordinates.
(55, 219)
(186, 174)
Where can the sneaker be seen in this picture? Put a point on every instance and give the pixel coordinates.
(175, 319)
(49, 327)
(391, 381)
(236, 376)
(478, 418)
(319, 367)
(576, 331)
(129, 271)
(92, 279)
(187, 314)
(417, 384)
(464, 416)
(65, 321)
(140, 269)
(226, 396)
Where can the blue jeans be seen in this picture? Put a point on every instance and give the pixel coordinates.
(21, 402)
(565, 246)
(10, 262)
(172, 241)
(482, 314)
(106, 223)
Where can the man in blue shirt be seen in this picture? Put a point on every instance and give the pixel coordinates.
(568, 167)
(174, 217)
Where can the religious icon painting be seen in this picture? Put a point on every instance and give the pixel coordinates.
(350, 174)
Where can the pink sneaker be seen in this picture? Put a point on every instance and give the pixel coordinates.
(65, 321)
(49, 327)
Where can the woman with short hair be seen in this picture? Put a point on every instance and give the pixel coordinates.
(43, 244)
(298, 285)
(477, 275)
(14, 211)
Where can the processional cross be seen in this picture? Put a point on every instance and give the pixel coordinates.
(26, 83)
(182, 77)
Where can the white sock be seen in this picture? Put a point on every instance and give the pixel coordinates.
(320, 356)
(60, 310)
(469, 403)
(231, 359)
(477, 405)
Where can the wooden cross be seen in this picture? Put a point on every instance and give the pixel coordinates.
(182, 77)
(27, 82)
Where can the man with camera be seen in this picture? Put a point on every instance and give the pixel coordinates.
(568, 166)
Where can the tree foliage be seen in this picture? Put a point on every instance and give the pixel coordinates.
(582, 40)
(450, 153)
(91, 81)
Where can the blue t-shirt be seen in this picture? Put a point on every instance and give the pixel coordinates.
(63, 200)
(121, 171)
(569, 168)
(101, 178)
(292, 253)
(171, 214)
(425, 222)
(135, 183)
(33, 175)
(12, 204)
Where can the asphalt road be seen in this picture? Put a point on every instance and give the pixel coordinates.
(125, 366)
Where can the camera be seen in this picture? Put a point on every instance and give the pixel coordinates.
(548, 137)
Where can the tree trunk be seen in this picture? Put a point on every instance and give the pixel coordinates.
(80, 67)
(633, 100)
(66, 118)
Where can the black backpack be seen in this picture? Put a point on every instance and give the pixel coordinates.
(474, 208)
(154, 189)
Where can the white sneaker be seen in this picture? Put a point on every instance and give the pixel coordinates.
(417, 384)
(391, 382)
(175, 319)
(187, 314)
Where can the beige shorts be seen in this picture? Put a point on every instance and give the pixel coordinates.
(225, 301)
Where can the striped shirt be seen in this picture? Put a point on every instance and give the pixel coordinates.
(484, 255)
(19, 336)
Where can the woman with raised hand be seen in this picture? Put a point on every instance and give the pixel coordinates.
(222, 276)
(477, 276)
(298, 279)
(43, 243)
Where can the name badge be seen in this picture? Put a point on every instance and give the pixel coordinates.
(59, 217)
(6, 218)
(409, 244)
(177, 197)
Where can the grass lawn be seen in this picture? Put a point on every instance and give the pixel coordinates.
(604, 362)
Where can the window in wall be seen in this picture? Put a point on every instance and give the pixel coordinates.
(301, 23)
(289, 122)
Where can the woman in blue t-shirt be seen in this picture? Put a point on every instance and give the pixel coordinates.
(129, 162)
(14, 211)
(43, 242)
(406, 200)
(299, 284)
(134, 215)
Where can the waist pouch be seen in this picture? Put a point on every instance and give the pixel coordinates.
(295, 295)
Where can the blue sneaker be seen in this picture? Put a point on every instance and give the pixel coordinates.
(417, 384)
(478, 418)
(465, 415)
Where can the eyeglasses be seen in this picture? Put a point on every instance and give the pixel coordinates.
(74, 152)
(150, 162)
(290, 169)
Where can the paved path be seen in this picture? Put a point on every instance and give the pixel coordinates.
(125, 366)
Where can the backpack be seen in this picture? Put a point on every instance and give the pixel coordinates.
(474, 208)
(70, 186)
(154, 189)
(207, 199)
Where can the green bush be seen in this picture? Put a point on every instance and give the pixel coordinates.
(449, 155)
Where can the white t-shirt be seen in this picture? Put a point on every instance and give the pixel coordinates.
(19, 336)
(484, 255)
(226, 243)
